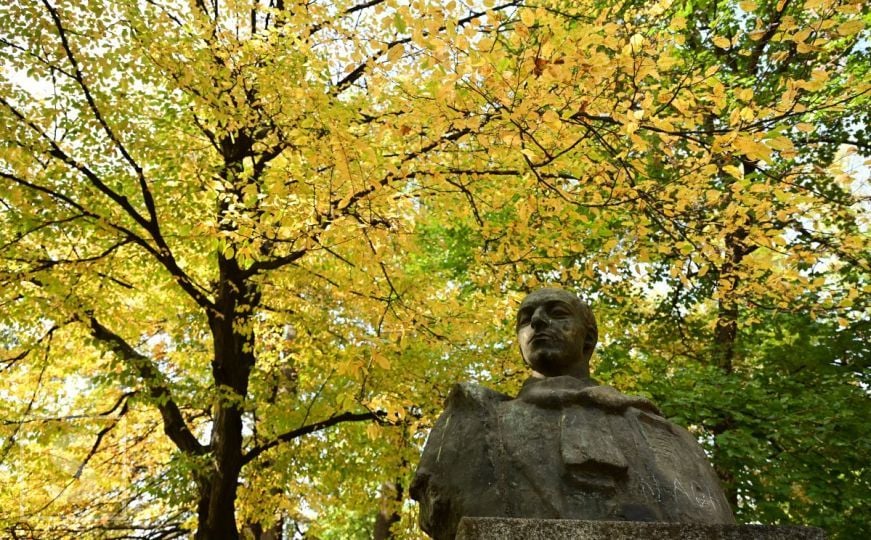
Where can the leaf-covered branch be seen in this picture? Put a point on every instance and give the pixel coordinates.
(355, 74)
(253, 453)
(58, 153)
(161, 254)
(174, 424)
(147, 197)
(11, 439)
(124, 407)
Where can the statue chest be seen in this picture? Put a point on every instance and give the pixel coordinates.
(585, 462)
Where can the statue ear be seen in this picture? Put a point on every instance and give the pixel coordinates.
(589, 344)
(523, 356)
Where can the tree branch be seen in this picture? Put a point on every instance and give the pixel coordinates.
(174, 424)
(277, 262)
(45, 264)
(343, 209)
(11, 439)
(53, 222)
(337, 205)
(252, 454)
(353, 9)
(358, 71)
(152, 225)
(92, 104)
(58, 153)
(162, 253)
(772, 29)
(103, 432)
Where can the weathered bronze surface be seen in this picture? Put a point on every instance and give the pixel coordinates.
(565, 447)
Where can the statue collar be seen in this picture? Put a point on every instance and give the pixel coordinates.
(565, 391)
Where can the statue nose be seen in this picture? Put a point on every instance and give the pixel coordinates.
(539, 319)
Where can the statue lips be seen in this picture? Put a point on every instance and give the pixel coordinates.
(540, 337)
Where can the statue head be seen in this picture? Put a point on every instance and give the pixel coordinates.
(557, 333)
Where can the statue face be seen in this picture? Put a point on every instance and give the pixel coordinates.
(551, 333)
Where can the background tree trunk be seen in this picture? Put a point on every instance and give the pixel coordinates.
(388, 511)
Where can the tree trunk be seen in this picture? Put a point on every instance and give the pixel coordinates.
(233, 336)
(726, 330)
(388, 511)
(725, 338)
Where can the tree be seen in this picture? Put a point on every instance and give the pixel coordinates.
(278, 233)
(202, 207)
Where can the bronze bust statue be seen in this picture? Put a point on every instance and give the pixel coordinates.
(565, 447)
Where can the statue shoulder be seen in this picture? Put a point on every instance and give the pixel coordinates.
(468, 409)
(609, 397)
(457, 463)
(470, 395)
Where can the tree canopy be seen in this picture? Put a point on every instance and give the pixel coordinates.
(246, 247)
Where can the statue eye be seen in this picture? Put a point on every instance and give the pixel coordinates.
(560, 312)
(523, 318)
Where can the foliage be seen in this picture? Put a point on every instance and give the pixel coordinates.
(245, 249)
(795, 436)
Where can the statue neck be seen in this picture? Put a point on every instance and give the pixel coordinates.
(562, 381)
(581, 372)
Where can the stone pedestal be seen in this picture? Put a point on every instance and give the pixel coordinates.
(565, 529)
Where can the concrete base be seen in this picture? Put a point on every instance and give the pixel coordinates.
(565, 529)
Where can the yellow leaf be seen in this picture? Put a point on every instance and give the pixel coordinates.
(528, 152)
(758, 188)
(351, 368)
(802, 35)
(550, 117)
(851, 27)
(527, 16)
(395, 53)
(734, 171)
(848, 9)
(722, 42)
(748, 6)
(752, 148)
(666, 61)
(804, 127)
(380, 360)
(756, 35)
(781, 143)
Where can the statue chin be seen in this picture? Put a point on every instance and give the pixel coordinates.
(548, 364)
(544, 357)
